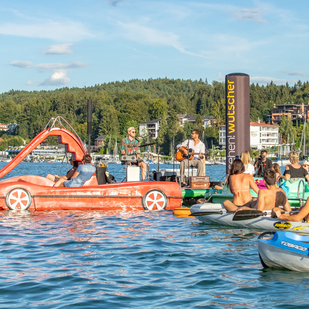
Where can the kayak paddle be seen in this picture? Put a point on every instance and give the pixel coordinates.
(248, 214)
(204, 213)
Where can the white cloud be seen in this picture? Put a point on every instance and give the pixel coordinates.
(56, 79)
(59, 71)
(146, 35)
(293, 73)
(60, 49)
(48, 66)
(251, 15)
(60, 66)
(46, 29)
(267, 80)
(30, 83)
(114, 2)
(22, 64)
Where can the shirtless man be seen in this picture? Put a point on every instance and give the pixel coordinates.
(271, 197)
(240, 184)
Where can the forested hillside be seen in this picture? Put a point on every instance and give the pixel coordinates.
(118, 105)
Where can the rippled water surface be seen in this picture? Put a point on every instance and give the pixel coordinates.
(69, 259)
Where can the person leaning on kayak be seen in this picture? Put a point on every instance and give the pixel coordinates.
(271, 197)
(240, 184)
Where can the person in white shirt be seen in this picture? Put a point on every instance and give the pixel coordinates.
(246, 160)
(199, 149)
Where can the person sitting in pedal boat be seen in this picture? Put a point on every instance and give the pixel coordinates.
(82, 174)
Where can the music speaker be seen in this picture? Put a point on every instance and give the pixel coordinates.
(200, 182)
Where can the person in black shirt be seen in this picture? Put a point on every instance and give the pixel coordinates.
(294, 170)
(262, 163)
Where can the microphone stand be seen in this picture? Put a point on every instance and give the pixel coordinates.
(173, 145)
(158, 151)
(188, 159)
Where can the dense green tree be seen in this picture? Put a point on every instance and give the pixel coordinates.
(188, 128)
(286, 129)
(158, 109)
(218, 111)
(116, 104)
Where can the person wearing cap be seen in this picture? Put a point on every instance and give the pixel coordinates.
(130, 146)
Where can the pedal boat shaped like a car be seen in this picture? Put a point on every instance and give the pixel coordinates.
(37, 193)
(216, 214)
(284, 250)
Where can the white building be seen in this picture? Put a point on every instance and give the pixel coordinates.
(153, 126)
(3, 127)
(262, 135)
(208, 121)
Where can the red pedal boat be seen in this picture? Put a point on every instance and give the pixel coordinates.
(37, 193)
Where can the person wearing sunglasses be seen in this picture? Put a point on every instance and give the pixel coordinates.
(130, 146)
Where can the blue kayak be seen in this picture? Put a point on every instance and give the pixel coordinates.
(284, 250)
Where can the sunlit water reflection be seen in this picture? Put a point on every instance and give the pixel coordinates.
(68, 259)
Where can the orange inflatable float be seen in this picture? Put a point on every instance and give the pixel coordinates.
(37, 193)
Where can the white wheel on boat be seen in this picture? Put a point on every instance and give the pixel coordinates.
(18, 199)
(154, 199)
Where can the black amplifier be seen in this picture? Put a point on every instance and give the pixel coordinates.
(128, 158)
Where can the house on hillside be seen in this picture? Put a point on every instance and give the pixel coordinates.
(152, 127)
(295, 112)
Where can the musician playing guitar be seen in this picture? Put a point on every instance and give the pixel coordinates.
(199, 149)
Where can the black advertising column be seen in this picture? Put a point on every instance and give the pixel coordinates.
(237, 105)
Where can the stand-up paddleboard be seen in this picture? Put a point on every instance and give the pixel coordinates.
(284, 250)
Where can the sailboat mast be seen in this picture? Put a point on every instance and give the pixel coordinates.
(109, 146)
(304, 149)
(115, 150)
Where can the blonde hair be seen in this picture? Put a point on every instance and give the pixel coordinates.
(276, 168)
(130, 129)
(294, 157)
(245, 158)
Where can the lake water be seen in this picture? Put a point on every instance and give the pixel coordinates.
(74, 259)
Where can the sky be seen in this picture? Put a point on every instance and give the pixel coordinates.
(47, 45)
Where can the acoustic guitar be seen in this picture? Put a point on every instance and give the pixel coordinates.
(180, 154)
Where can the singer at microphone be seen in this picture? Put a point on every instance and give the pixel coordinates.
(199, 150)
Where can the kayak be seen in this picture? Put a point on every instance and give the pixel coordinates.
(216, 214)
(284, 250)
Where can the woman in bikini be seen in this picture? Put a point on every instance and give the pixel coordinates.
(240, 184)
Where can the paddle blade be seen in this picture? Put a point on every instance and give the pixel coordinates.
(204, 213)
(247, 214)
